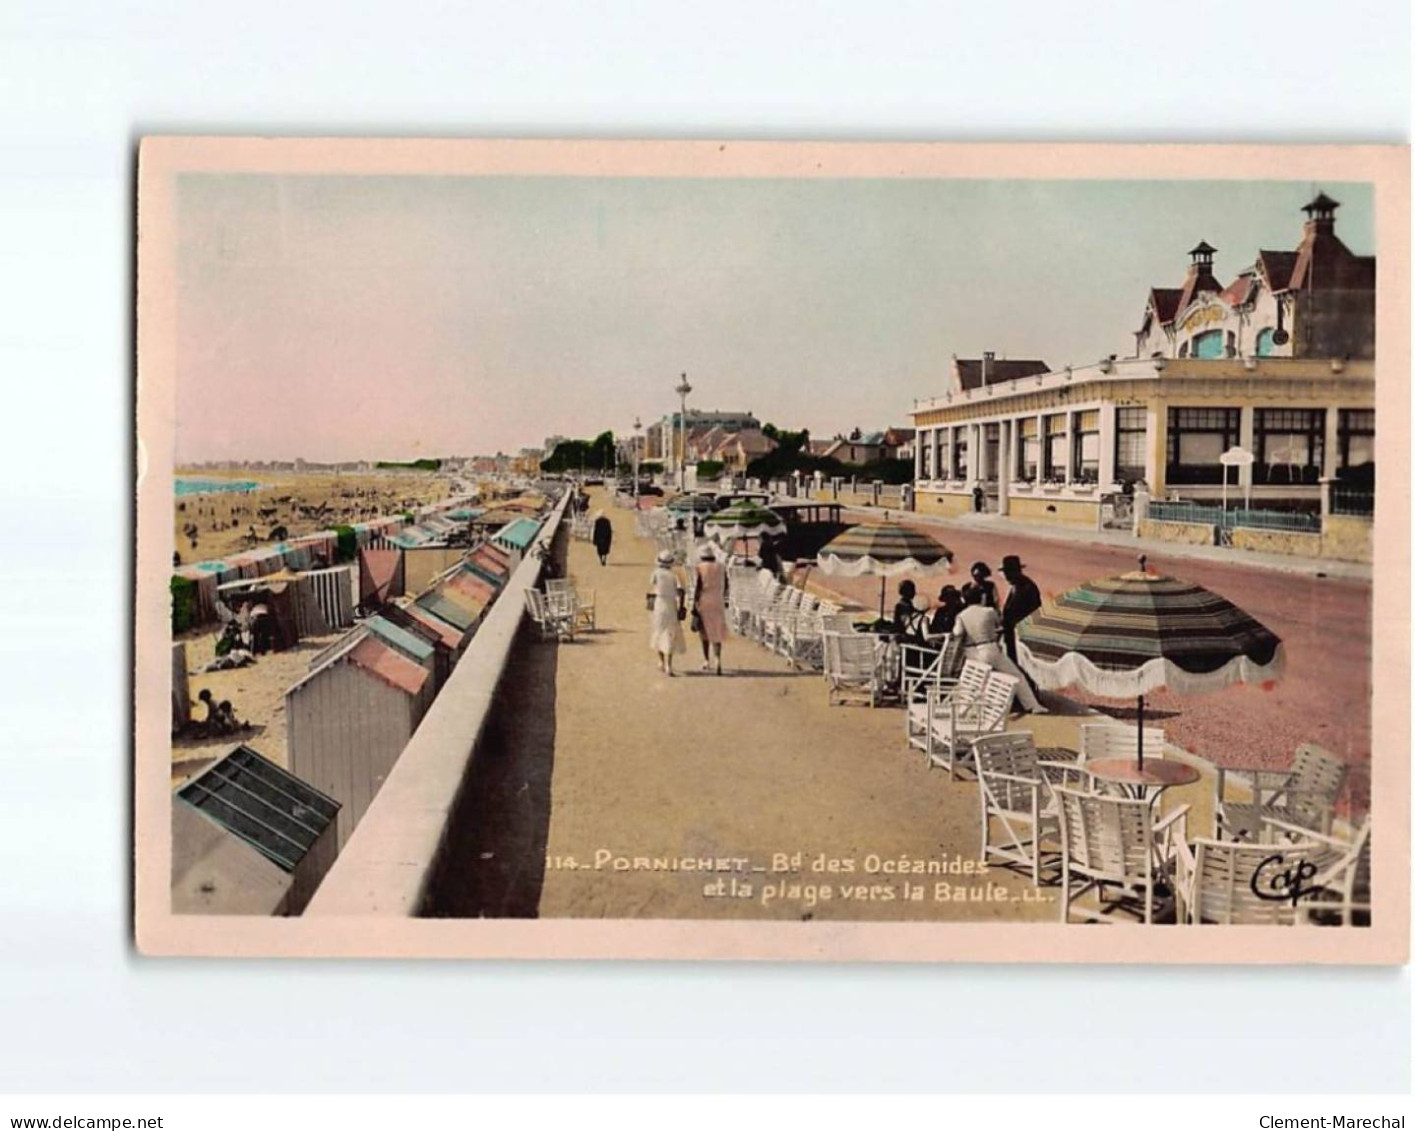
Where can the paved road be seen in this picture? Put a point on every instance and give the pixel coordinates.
(1325, 624)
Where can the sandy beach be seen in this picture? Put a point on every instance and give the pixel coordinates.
(302, 503)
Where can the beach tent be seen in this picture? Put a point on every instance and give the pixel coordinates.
(181, 693)
(349, 719)
(281, 598)
(249, 838)
(334, 590)
(381, 576)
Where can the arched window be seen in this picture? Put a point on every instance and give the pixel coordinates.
(1207, 344)
(1264, 344)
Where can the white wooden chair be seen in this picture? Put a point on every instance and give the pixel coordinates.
(929, 668)
(1305, 795)
(1019, 815)
(1115, 740)
(802, 641)
(1112, 843)
(582, 604)
(549, 616)
(777, 616)
(953, 727)
(1342, 892)
(1238, 883)
(971, 681)
(851, 668)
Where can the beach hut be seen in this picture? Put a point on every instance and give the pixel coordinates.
(516, 538)
(349, 719)
(456, 639)
(249, 838)
(422, 564)
(444, 640)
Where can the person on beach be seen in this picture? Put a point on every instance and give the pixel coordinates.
(666, 610)
(981, 630)
(950, 604)
(710, 606)
(1023, 599)
(602, 534)
(982, 581)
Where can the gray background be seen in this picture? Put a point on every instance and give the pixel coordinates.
(80, 81)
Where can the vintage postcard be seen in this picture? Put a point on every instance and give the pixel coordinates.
(773, 551)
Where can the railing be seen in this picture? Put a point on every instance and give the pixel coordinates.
(1353, 500)
(1300, 521)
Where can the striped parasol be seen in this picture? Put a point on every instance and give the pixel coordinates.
(1122, 637)
(883, 550)
(692, 504)
(743, 520)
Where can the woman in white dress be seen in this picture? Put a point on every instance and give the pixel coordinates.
(666, 611)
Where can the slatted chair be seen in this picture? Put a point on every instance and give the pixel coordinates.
(949, 738)
(803, 641)
(1114, 740)
(1235, 883)
(924, 668)
(549, 616)
(1019, 816)
(971, 681)
(852, 669)
(583, 603)
(777, 616)
(1342, 892)
(1112, 843)
(1305, 795)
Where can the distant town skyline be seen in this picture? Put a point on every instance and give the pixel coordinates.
(348, 318)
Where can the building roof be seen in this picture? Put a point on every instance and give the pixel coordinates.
(390, 665)
(457, 615)
(520, 533)
(970, 370)
(411, 645)
(269, 808)
(449, 634)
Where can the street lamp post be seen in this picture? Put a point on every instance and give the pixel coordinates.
(683, 389)
(637, 425)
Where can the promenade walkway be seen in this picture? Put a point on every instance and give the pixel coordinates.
(751, 770)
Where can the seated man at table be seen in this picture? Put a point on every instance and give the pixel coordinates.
(981, 630)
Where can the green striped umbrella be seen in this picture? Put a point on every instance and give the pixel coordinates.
(743, 520)
(1122, 637)
(692, 504)
(883, 550)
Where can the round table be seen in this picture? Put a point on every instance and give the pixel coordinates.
(1158, 775)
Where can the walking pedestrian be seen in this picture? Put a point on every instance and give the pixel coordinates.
(602, 534)
(710, 606)
(666, 611)
(981, 630)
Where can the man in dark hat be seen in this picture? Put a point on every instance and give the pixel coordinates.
(1023, 599)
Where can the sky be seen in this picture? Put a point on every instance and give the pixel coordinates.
(343, 317)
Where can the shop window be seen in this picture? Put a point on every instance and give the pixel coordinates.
(960, 453)
(1197, 437)
(1289, 445)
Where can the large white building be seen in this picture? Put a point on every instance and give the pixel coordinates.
(1279, 362)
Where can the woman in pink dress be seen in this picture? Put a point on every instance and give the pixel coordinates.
(710, 606)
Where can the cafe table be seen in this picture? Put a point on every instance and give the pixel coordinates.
(1141, 783)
